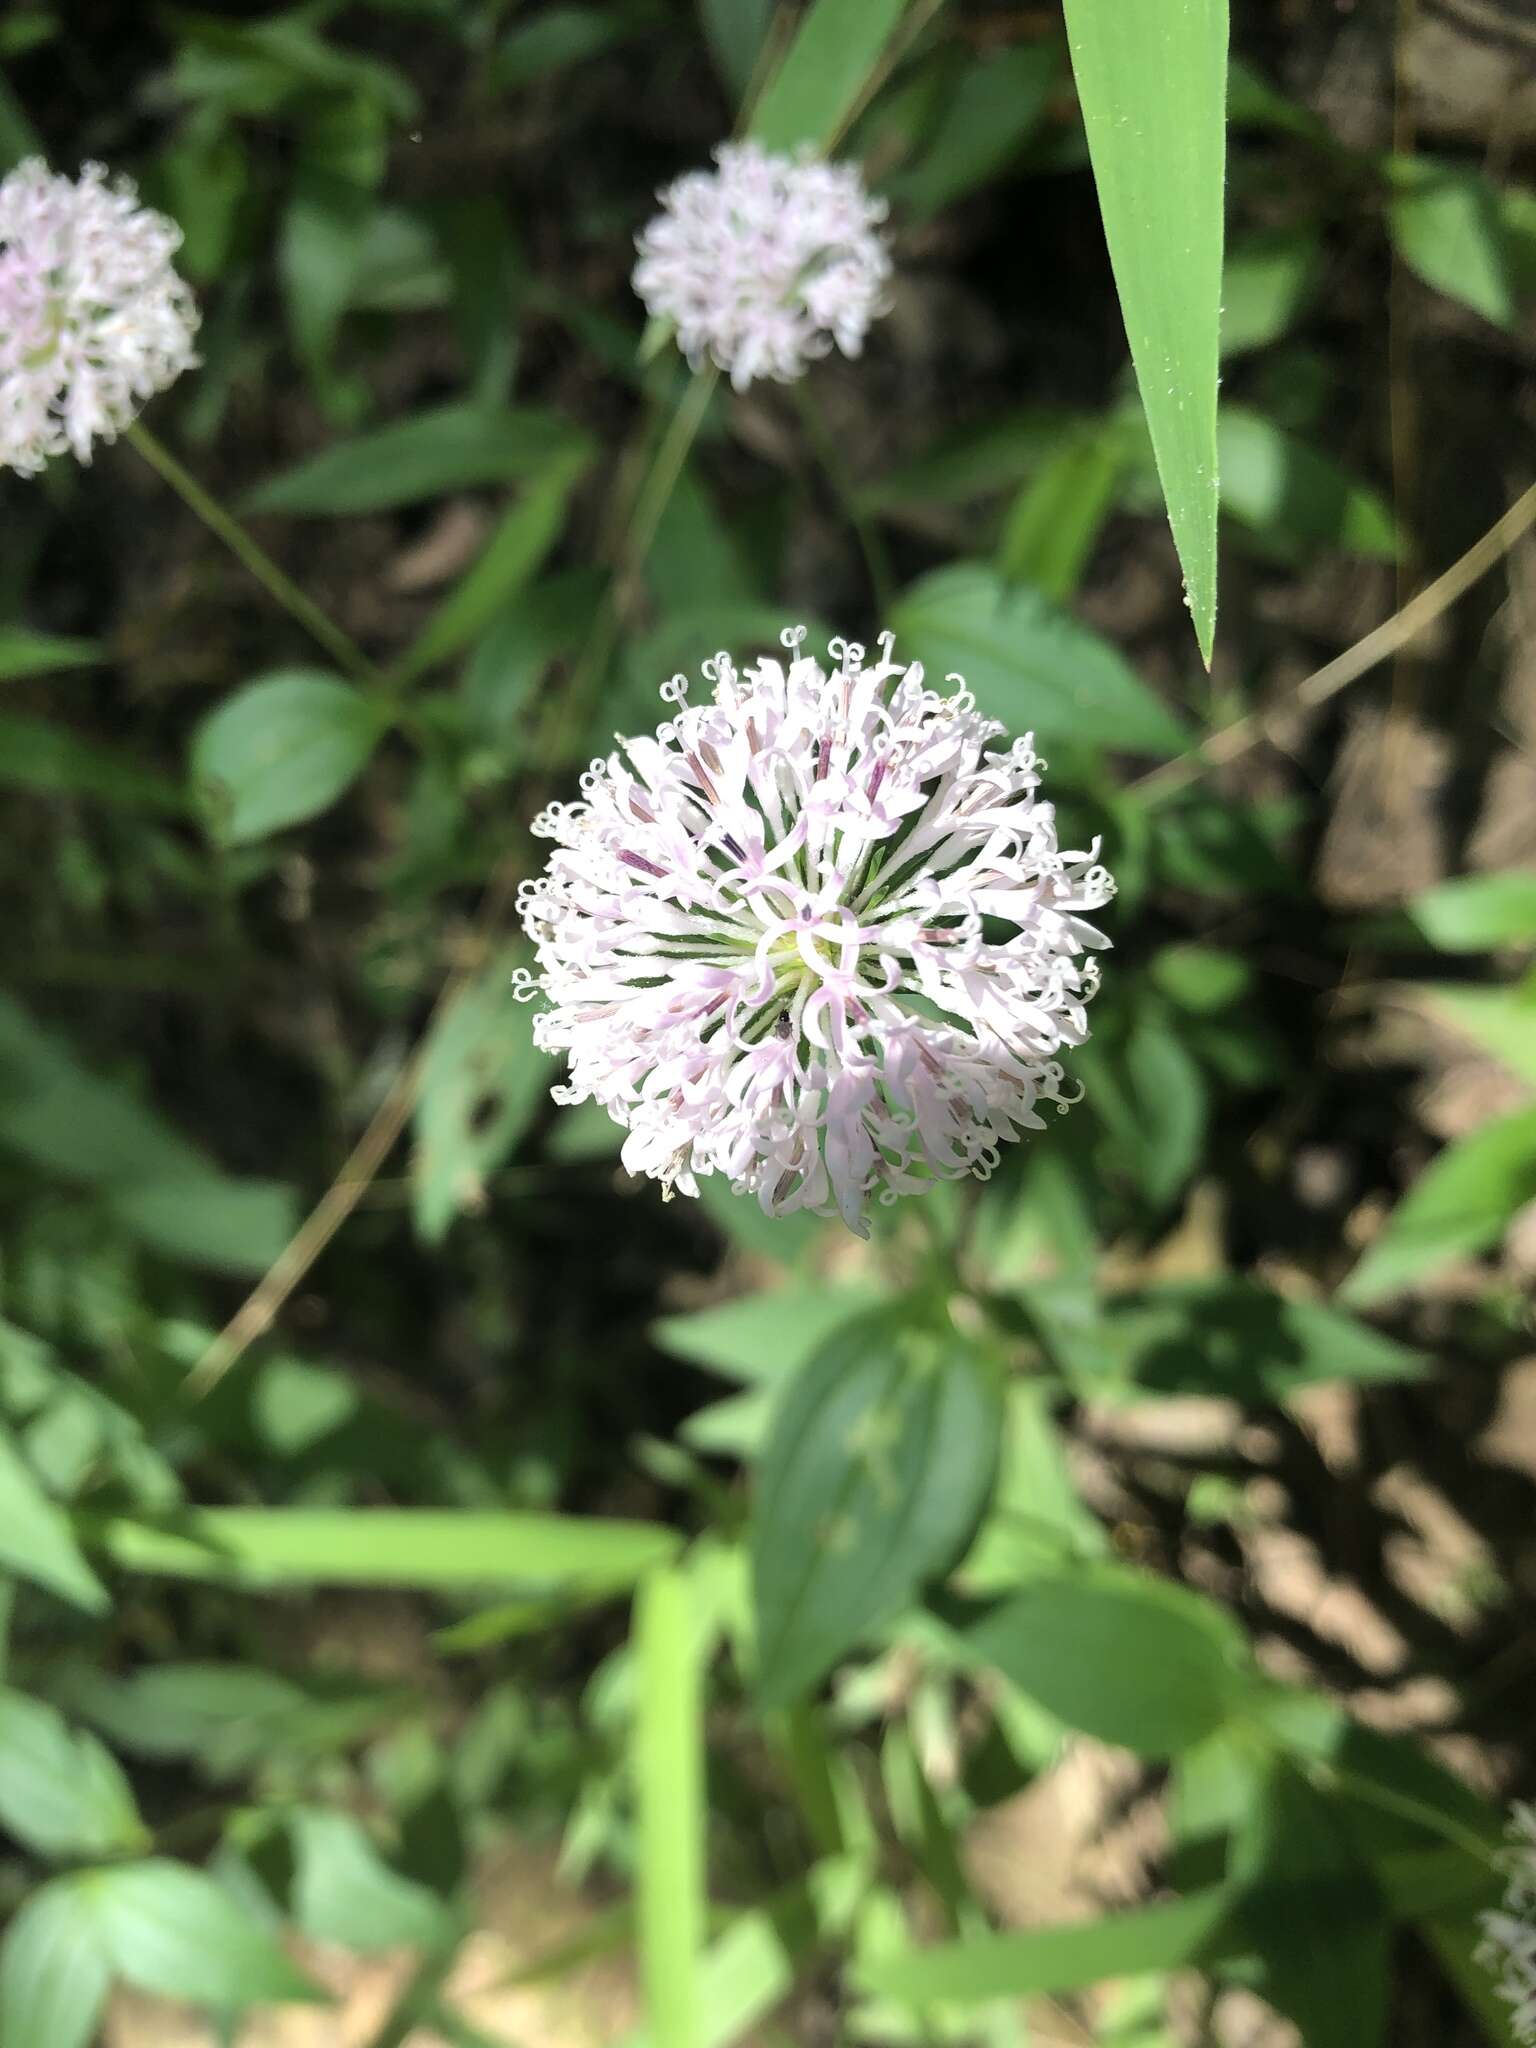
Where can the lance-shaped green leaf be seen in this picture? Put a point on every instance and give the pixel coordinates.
(880, 1460)
(1152, 80)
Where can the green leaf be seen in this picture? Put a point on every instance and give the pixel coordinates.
(1058, 515)
(1295, 498)
(387, 1547)
(734, 30)
(1226, 1337)
(1151, 1098)
(1474, 913)
(49, 760)
(997, 105)
(670, 1810)
(296, 1405)
(280, 750)
(512, 555)
(53, 1970)
(1030, 665)
(553, 41)
(172, 1930)
(1172, 1936)
(344, 1891)
(481, 1081)
(340, 162)
(1446, 226)
(1265, 284)
(1501, 1020)
(35, 1536)
(881, 1456)
(823, 78)
(208, 1218)
(452, 448)
(764, 1336)
(61, 1793)
(1325, 1957)
(205, 171)
(1459, 1205)
(1127, 1658)
(1152, 80)
(25, 653)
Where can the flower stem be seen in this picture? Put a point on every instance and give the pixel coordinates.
(562, 728)
(339, 645)
(871, 545)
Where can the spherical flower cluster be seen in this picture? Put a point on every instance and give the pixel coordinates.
(1509, 1935)
(93, 319)
(817, 935)
(763, 264)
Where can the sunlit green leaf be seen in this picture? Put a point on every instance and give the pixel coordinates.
(1125, 1657)
(670, 1817)
(1459, 1205)
(53, 1969)
(60, 1792)
(882, 1452)
(345, 1892)
(1064, 1958)
(1473, 913)
(386, 1547)
(35, 1536)
(172, 1930)
(1152, 79)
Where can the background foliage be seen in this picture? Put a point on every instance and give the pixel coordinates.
(755, 1574)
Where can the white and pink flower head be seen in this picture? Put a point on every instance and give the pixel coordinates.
(816, 935)
(765, 263)
(1509, 1935)
(93, 318)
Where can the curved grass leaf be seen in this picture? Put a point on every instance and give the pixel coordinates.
(387, 1547)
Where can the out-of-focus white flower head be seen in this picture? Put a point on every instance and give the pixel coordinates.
(1509, 1935)
(764, 263)
(93, 319)
(817, 935)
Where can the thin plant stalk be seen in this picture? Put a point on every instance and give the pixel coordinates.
(653, 495)
(871, 544)
(252, 556)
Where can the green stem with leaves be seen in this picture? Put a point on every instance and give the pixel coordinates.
(252, 556)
